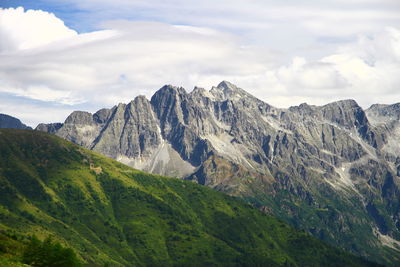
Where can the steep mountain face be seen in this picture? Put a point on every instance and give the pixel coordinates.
(129, 133)
(110, 213)
(332, 170)
(7, 121)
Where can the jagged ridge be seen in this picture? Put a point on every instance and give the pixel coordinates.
(312, 166)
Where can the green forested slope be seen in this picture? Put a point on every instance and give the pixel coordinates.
(110, 213)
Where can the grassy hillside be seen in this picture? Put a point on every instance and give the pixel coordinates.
(19, 250)
(109, 213)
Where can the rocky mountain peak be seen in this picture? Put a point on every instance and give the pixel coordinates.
(49, 128)
(79, 117)
(388, 111)
(346, 103)
(346, 113)
(170, 90)
(303, 109)
(139, 104)
(140, 99)
(121, 106)
(102, 115)
(228, 91)
(227, 86)
(200, 92)
(374, 107)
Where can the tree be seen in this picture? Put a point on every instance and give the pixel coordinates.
(49, 253)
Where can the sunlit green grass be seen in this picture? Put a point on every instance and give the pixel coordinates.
(110, 213)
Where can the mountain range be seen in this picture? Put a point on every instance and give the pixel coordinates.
(332, 170)
(113, 215)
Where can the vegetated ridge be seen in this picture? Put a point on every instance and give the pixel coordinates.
(110, 213)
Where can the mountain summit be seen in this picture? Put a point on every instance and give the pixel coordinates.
(228, 91)
(332, 170)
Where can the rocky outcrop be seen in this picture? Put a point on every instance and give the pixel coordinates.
(49, 128)
(7, 121)
(332, 170)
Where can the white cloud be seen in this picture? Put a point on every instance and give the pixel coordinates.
(33, 28)
(367, 70)
(125, 60)
(105, 67)
(44, 93)
(265, 22)
(314, 75)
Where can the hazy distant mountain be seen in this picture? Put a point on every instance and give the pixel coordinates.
(332, 170)
(7, 121)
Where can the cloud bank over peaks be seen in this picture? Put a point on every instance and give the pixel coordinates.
(44, 65)
(367, 70)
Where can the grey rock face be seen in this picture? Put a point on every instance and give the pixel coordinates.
(332, 170)
(7, 121)
(49, 128)
(130, 133)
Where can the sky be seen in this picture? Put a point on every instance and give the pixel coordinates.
(60, 56)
